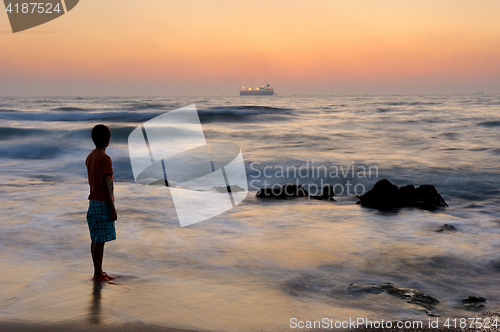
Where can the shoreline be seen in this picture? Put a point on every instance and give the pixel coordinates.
(81, 326)
(24, 326)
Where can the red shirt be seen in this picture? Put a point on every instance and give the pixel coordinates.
(98, 162)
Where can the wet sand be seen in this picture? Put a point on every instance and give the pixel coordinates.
(82, 326)
(20, 326)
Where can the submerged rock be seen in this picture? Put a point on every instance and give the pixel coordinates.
(229, 189)
(293, 190)
(409, 295)
(323, 285)
(447, 227)
(473, 299)
(473, 302)
(385, 195)
(284, 192)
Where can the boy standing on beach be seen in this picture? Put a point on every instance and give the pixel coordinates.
(101, 215)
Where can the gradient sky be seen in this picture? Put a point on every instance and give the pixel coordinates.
(204, 47)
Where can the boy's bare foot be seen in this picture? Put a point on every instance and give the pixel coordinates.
(103, 278)
(108, 276)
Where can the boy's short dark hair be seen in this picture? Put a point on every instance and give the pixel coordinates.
(101, 135)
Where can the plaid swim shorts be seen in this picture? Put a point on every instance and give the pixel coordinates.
(100, 227)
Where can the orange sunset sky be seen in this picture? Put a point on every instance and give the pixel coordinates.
(204, 47)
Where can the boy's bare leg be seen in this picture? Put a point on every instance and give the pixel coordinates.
(97, 251)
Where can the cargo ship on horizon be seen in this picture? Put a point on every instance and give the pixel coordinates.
(265, 90)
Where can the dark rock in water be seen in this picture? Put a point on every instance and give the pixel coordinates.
(473, 299)
(269, 193)
(409, 295)
(293, 190)
(327, 194)
(426, 197)
(161, 182)
(372, 289)
(473, 302)
(413, 296)
(288, 190)
(229, 189)
(324, 286)
(385, 195)
(447, 227)
(404, 192)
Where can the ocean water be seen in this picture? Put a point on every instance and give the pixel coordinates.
(266, 261)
